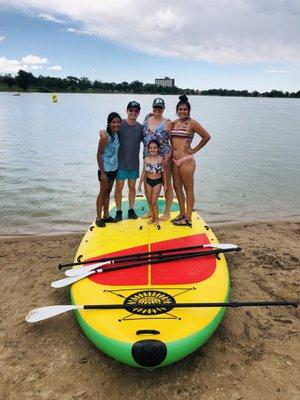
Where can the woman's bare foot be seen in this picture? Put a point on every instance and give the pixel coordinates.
(151, 221)
(164, 217)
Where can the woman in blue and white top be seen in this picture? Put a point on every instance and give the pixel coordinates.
(156, 127)
(107, 158)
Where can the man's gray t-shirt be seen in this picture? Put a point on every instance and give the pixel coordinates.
(130, 139)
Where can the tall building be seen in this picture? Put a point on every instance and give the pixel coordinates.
(165, 82)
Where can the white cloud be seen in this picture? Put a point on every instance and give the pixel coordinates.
(2, 38)
(9, 66)
(55, 68)
(79, 31)
(35, 67)
(221, 31)
(50, 18)
(27, 63)
(34, 60)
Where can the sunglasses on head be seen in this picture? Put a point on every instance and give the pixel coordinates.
(134, 110)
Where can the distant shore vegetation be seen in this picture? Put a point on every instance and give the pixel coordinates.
(26, 81)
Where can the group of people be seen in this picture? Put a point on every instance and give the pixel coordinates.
(168, 153)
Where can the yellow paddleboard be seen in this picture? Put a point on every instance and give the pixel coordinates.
(158, 336)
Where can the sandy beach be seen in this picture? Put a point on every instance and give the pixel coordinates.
(253, 355)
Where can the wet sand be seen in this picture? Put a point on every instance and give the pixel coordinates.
(253, 355)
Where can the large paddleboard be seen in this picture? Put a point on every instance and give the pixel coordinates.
(153, 337)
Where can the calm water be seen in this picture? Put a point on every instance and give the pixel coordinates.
(48, 170)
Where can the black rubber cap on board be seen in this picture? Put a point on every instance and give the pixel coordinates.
(149, 353)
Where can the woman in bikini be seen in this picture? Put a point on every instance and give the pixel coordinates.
(184, 165)
(154, 177)
(156, 127)
(107, 158)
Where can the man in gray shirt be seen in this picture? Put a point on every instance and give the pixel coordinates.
(130, 136)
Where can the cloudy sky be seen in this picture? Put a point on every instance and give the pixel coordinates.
(239, 44)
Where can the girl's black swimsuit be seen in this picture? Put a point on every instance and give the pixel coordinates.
(154, 182)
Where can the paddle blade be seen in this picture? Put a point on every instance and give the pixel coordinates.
(68, 281)
(39, 314)
(221, 246)
(83, 270)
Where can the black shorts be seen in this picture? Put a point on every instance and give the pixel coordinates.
(111, 175)
(154, 182)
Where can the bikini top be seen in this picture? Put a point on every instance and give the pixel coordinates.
(154, 168)
(182, 133)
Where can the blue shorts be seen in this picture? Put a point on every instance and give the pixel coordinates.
(124, 174)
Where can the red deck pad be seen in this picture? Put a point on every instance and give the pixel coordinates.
(186, 271)
(125, 277)
(190, 270)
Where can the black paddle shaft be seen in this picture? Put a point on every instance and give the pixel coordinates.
(175, 257)
(233, 304)
(134, 257)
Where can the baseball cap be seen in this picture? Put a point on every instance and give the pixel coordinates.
(133, 104)
(158, 102)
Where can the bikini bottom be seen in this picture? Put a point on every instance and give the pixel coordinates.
(184, 158)
(154, 182)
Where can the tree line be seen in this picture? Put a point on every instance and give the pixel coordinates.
(245, 93)
(25, 81)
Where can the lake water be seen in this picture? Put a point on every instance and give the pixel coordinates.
(48, 171)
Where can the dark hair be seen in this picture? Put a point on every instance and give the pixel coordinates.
(155, 142)
(183, 100)
(110, 117)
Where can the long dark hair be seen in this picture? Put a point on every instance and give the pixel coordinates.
(183, 100)
(110, 117)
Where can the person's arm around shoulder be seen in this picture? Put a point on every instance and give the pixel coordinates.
(205, 136)
(101, 147)
(169, 125)
(147, 117)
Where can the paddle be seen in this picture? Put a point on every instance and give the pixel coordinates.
(83, 270)
(128, 256)
(42, 313)
(145, 257)
(68, 281)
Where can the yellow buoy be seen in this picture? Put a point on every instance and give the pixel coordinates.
(54, 98)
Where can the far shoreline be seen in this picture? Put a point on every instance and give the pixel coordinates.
(18, 93)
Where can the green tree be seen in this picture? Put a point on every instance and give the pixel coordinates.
(24, 79)
(85, 83)
(9, 80)
(255, 93)
(137, 86)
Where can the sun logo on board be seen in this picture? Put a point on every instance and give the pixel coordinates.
(149, 297)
